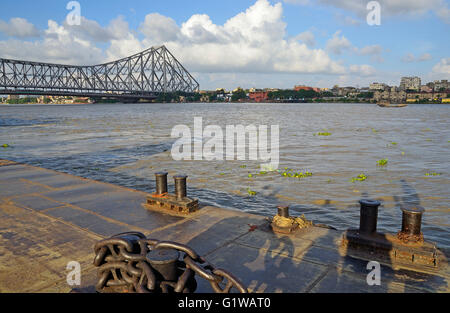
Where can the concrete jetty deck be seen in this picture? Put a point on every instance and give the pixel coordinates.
(48, 219)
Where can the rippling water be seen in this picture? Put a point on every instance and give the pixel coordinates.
(126, 144)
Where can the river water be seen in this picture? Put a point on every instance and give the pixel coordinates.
(126, 144)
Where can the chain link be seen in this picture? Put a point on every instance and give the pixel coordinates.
(123, 267)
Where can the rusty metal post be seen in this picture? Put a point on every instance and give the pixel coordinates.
(180, 186)
(283, 211)
(161, 183)
(412, 221)
(164, 261)
(369, 216)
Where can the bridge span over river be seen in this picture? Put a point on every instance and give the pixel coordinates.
(144, 75)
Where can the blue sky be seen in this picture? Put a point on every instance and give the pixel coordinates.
(258, 43)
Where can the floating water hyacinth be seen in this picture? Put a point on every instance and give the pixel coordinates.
(394, 143)
(382, 162)
(433, 174)
(6, 146)
(360, 177)
(289, 173)
(251, 192)
(243, 166)
(250, 175)
(323, 134)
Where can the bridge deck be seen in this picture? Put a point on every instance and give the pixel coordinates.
(48, 219)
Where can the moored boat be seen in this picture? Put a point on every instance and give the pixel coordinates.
(387, 104)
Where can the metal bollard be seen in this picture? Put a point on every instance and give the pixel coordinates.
(412, 221)
(369, 216)
(161, 183)
(180, 186)
(283, 211)
(164, 261)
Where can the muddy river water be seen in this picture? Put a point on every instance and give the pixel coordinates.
(126, 144)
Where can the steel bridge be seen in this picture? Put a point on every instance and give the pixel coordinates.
(141, 76)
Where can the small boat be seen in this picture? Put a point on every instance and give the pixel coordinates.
(387, 104)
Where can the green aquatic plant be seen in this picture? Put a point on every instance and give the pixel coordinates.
(394, 143)
(250, 175)
(374, 131)
(382, 162)
(433, 174)
(243, 166)
(6, 146)
(360, 177)
(324, 134)
(251, 192)
(291, 174)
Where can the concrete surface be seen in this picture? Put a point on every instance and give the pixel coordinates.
(48, 219)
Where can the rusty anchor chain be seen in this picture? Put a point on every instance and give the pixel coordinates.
(129, 262)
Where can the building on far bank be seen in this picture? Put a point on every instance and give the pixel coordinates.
(441, 85)
(426, 88)
(390, 95)
(378, 86)
(13, 97)
(258, 96)
(410, 83)
(298, 88)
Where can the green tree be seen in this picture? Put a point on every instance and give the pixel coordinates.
(238, 95)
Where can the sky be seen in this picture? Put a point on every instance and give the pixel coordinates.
(245, 43)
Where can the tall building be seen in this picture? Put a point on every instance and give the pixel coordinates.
(377, 86)
(410, 83)
(13, 97)
(441, 85)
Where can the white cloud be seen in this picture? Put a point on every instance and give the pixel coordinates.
(410, 58)
(338, 44)
(301, 2)
(389, 8)
(252, 41)
(425, 57)
(347, 20)
(443, 67)
(91, 30)
(19, 27)
(363, 70)
(307, 37)
(159, 28)
(59, 45)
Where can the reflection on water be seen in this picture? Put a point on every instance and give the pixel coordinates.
(126, 144)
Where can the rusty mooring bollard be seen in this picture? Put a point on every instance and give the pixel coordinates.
(180, 186)
(369, 216)
(412, 222)
(161, 183)
(164, 262)
(283, 211)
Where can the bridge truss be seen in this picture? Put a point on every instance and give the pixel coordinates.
(141, 76)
